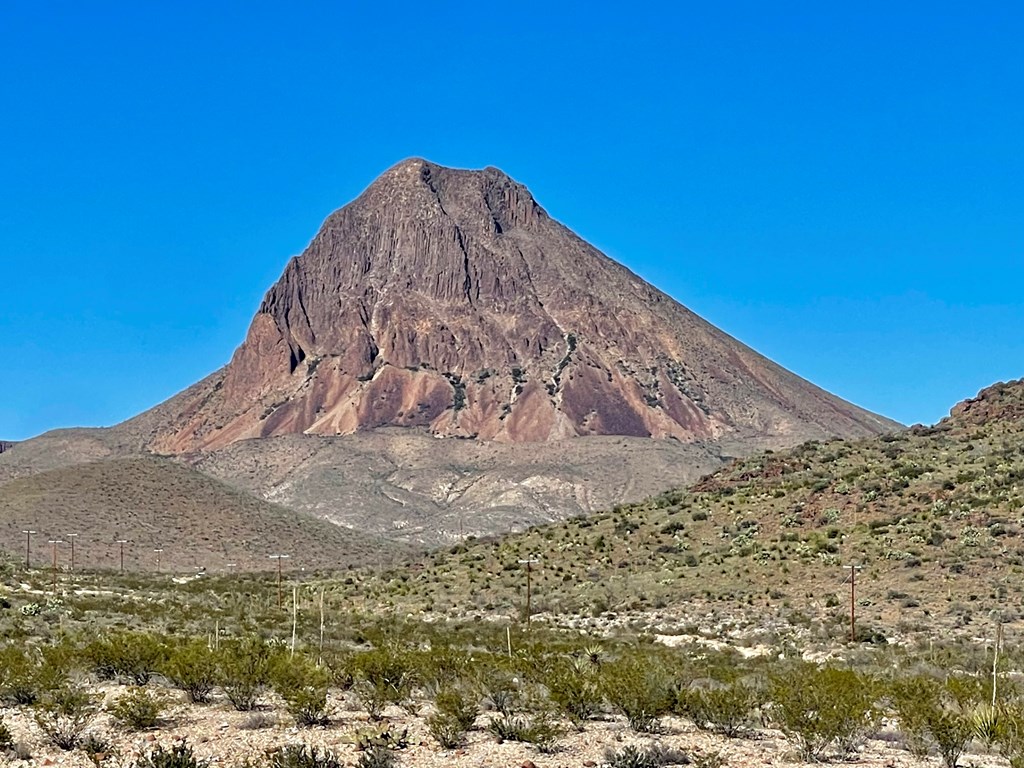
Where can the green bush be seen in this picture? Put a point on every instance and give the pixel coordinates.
(538, 730)
(575, 689)
(384, 676)
(942, 713)
(303, 686)
(132, 656)
(377, 757)
(96, 748)
(138, 709)
(719, 707)
(178, 756)
(303, 756)
(64, 713)
(243, 670)
(654, 756)
(819, 708)
(192, 667)
(1010, 735)
(457, 710)
(641, 689)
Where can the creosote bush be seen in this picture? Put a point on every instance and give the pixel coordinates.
(192, 667)
(64, 713)
(822, 708)
(243, 669)
(138, 709)
(457, 710)
(303, 756)
(641, 689)
(303, 686)
(539, 730)
(384, 676)
(178, 756)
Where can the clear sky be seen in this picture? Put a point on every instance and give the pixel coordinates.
(839, 185)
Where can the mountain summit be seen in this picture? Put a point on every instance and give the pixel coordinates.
(448, 300)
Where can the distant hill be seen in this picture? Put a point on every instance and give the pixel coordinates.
(155, 503)
(933, 514)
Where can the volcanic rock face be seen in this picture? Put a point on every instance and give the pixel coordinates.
(450, 301)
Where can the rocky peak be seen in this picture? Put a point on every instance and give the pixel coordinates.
(1001, 404)
(448, 300)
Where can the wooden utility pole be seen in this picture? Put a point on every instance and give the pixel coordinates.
(279, 558)
(71, 538)
(121, 543)
(28, 548)
(55, 542)
(853, 600)
(528, 563)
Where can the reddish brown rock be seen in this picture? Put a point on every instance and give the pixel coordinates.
(450, 301)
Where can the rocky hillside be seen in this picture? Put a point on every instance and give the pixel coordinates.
(450, 301)
(933, 515)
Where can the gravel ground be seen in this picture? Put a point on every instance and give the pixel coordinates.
(226, 738)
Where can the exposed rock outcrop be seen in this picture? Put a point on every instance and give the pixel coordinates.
(448, 300)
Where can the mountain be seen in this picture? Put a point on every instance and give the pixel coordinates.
(932, 515)
(445, 359)
(449, 301)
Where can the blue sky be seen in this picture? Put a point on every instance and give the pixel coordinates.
(840, 186)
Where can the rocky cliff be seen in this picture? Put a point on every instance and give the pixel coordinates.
(449, 301)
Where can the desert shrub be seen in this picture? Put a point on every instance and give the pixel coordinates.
(243, 670)
(641, 689)
(575, 689)
(178, 756)
(936, 712)
(64, 713)
(457, 711)
(724, 708)
(377, 757)
(19, 675)
(654, 756)
(1010, 735)
(501, 690)
(303, 686)
(192, 667)
(96, 748)
(6, 739)
(384, 676)
(818, 708)
(303, 756)
(138, 709)
(133, 656)
(538, 730)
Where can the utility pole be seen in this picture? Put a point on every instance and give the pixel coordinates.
(122, 542)
(55, 542)
(158, 551)
(279, 558)
(28, 548)
(71, 538)
(528, 563)
(853, 600)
